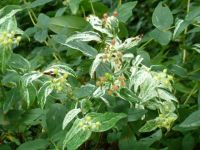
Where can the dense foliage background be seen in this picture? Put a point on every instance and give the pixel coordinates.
(99, 74)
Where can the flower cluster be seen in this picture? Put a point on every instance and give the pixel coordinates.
(113, 57)
(163, 78)
(8, 39)
(65, 2)
(110, 83)
(59, 83)
(166, 120)
(87, 124)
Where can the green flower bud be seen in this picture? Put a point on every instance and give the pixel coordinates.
(65, 75)
(88, 118)
(55, 71)
(165, 71)
(18, 39)
(108, 76)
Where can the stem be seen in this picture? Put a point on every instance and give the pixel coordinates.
(83, 11)
(187, 11)
(184, 55)
(145, 43)
(92, 7)
(193, 91)
(120, 2)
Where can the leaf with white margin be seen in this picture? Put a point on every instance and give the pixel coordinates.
(61, 69)
(95, 64)
(85, 36)
(70, 116)
(30, 77)
(97, 24)
(164, 94)
(8, 11)
(44, 92)
(129, 43)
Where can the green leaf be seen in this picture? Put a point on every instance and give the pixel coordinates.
(74, 5)
(193, 13)
(54, 119)
(43, 21)
(67, 24)
(37, 144)
(42, 28)
(193, 120)
(37, 3)
(125, 11)
(84, 91)
(5, 54)
(145, 143)
(33, 116)
(5, 147)
(41, 35)
(11, 79)
(107, 120)
(188, 142)
(178, 70)
(8, 12)
(76, 136)
(162, 17)
(163, 37)
(70, 116)
(149, 126)
(135, 114)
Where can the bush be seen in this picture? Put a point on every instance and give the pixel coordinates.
(91, 74)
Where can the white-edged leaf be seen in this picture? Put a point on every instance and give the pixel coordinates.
(8, 11)
(30, 77)
(129, 43)
(97, 24)
(77, 45)
(44, 92)
(62, 68)
(139, 78)
(95, 64)
(164, 94)
(179, 27)
(70, 116)
(85, 36)
(75, 136)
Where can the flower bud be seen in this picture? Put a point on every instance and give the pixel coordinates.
(55, 71)
(88, 118)
(170, 77)
(165, 71)
(105, 15)
(115, 13)
(65, 75)
(18, 39)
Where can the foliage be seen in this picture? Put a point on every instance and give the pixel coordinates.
(91, 74)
